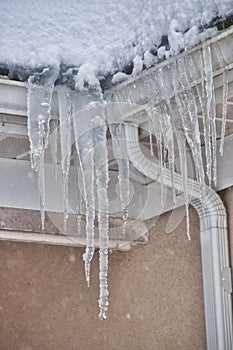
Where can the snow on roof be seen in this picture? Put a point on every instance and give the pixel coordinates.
(101, 37)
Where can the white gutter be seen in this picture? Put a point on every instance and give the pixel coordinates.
(214, 245)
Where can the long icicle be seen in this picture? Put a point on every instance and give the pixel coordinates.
(214, 131)
(210, 109)
(102, 180)
(169, 142)
(40, 90)
(64, 101)
(224, 110)
(41, 186)
(181, 144)
(167, 125)
(53, 144)
(201, 95)
(87, 160)
(80, 205)
(155, 112)
(85, 150)
(119, 148)
(192, 130)
(184, 174)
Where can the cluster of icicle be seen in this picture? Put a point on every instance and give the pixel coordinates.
(175, 122)
(90, 155)
(179, 98)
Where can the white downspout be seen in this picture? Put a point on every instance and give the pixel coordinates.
(214, 244)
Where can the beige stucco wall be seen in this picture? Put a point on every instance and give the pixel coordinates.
(156, 299)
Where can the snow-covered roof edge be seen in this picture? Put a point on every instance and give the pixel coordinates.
(121, 62)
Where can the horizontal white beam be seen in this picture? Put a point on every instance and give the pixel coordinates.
(58, 239)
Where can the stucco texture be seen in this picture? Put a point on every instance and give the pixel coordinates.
(156, 298)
